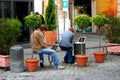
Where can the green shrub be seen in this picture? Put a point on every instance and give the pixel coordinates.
(9, 32)
(33, 21)
(50, 16)
(83, 21)
(112, 29)
(100, 20)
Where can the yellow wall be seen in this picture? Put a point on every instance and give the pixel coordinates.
(45, 5)
(108, 7)
(60, 4)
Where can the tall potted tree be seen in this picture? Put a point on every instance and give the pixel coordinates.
(32, 21)
(9, 32)
(82, 21)
(50, 21)
(99, 20)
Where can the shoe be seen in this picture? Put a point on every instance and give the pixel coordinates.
(41, 64)
(65, 60)
(61, 67)
(71, 63)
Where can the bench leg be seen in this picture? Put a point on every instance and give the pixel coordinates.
(50, 60)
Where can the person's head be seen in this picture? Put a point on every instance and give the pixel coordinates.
(37, 13)
(71, 29)
(43, 28)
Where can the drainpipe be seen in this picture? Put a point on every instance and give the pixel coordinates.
(71, 5)
(29, 7)
(2, 4)
(12, 9)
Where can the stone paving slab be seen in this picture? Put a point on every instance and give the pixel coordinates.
(109, 70)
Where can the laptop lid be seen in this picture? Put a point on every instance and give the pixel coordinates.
(54, 47)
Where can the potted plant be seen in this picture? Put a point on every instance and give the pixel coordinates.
(50, 21)
(32, 21)
(99, 20)
(112, 34)
(113, 29)
(9, 32)
(82, 21)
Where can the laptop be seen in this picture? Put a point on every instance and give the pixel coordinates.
(54, 47)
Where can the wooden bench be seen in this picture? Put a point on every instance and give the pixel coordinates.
(53, 47)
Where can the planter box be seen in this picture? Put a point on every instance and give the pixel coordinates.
(50, 37)
(4, 61)
(113, 47)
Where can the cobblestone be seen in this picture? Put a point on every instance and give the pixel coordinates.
(109, 70)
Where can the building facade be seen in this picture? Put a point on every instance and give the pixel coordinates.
(21, 8)
(107, 7)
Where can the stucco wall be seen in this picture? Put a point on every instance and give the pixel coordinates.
(118, 8)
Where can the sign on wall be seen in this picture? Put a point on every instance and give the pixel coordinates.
(65, 5)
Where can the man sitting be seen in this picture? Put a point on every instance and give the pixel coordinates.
(66, 44)
(39, 46)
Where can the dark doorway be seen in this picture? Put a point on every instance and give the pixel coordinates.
(85, 6)
(20, 11)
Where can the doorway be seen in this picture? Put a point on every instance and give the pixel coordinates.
(20, 11)
(82, 7)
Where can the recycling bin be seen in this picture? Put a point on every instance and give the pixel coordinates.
(79, 45)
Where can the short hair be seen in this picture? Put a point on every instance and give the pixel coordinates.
(71, 29)
(43, 27)
(37, 13)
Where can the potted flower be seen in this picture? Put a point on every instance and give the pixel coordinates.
(32, 21)
(112, 34)
(50, 21)
(82, 21)
(9, 32)
(99, 20)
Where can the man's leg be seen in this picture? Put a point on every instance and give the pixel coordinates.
(54, 57)
(41, 58)
(70, 57)
(66, 57)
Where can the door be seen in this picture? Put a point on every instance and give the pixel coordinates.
(20, 11)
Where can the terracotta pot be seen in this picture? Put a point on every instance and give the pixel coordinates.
(4, 61)
(81, 60)
(32, 64)
(99, 56)
(51, 37)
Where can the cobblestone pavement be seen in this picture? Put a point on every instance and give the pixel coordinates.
(109, 70)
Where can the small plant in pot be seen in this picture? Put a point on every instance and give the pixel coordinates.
(82, 21)
(9, 32)
(32, 21)
(50, 21)
(99, 20)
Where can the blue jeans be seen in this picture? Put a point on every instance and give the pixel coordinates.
(69, 56)
(50, 52)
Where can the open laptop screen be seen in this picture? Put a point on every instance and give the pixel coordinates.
(54, 47)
